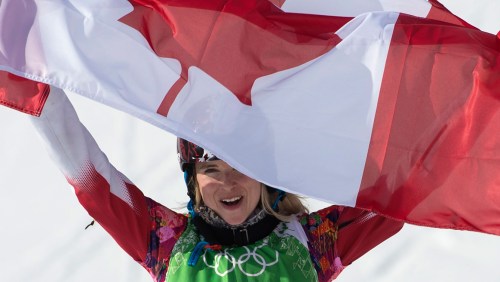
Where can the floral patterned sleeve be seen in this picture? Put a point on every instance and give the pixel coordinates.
(166, 228)
(339, 235)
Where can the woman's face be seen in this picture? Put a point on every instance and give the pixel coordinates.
(231, 194)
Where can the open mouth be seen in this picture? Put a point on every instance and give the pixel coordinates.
(232, 201)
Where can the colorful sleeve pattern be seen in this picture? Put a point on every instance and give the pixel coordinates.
(166, 229)
(339, 235)
(321, 229)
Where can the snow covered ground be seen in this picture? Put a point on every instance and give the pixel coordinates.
(42, 236)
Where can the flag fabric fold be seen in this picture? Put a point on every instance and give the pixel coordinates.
(391, 106)
(22, 94)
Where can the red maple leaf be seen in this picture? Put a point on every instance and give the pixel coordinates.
(234, 41)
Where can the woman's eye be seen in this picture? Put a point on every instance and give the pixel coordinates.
(211, 170)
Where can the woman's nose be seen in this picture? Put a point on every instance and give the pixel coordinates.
(231, 177)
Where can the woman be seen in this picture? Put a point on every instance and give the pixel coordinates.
(237, 230)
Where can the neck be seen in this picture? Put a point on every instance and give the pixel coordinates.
(216, 231)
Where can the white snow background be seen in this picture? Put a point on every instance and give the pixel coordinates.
(42, 236)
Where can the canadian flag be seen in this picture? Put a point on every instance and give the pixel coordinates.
(389, 105)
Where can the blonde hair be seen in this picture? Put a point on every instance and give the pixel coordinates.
(289, 205)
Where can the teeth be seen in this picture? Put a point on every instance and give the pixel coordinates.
(232, 200)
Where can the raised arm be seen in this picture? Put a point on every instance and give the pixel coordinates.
(339, 235)
(108, 196)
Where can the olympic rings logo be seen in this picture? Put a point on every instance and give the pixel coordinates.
(244, 258)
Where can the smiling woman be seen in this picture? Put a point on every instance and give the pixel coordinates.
(296, 246)
(232, 232)
(236, 202)
(231, 194)
(231, 212)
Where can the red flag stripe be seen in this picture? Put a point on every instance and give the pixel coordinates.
(22, 94)
(437, 166)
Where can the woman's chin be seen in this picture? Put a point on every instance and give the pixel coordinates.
(233, 221)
